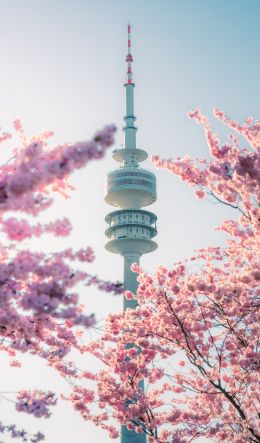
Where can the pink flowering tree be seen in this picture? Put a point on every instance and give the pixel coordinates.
(39, 308)
(194, 336)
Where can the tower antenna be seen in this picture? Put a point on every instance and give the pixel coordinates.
(129, 57)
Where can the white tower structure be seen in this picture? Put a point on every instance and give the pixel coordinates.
(129, 188)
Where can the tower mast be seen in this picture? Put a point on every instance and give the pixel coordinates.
(130, 229)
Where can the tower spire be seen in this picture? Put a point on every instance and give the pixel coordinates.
(129, 57)
(130, 129)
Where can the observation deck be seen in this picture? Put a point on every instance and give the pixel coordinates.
(131, 230)
(130, 187)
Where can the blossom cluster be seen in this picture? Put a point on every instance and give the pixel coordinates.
(24, 181)
(18, 230)
(233, 174)
(39, 303)
(36, 403)
(21, 433)
(35, 286)
(194, 333)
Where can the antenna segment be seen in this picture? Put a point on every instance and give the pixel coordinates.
(129, 57)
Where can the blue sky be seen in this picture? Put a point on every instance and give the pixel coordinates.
(62, 68)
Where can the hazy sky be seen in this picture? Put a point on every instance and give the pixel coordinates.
(62, 68)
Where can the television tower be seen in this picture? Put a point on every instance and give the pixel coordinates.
(130, 229)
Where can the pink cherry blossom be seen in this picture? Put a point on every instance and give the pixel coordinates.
(35, 402)
(39, 303)
(194, 332)
(20, 433)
